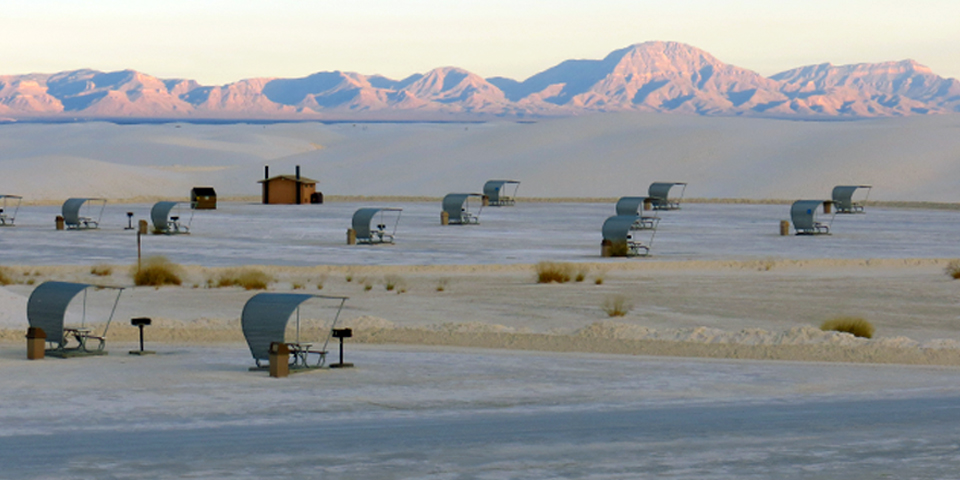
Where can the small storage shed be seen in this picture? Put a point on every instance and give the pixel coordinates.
(620, 237)
(288, 189)
(803, 213)
(456, 209)
(843, 198)
(203, 198)
(501, 193)
(659, 193)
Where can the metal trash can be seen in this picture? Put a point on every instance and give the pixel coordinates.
(36, 343)
(59, 222)
(279, 360)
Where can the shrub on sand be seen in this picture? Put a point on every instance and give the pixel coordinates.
(548, 272)
(392, 281)
(616, 306)
(442, 284)
(856, 326)
(248, 278)
(5, 276)
(101, 270)
(953, 269)
(157, 271)
(581, 275)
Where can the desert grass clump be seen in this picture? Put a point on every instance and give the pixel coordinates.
(248, 278)
(156, 271)
(321, 281)
(442, 284)
(296, 286)
(5, 276)
(953, 269)
(101, 270)
(616, 306)
(367, 286)
(856, 326)
(581, 275)
(598, 280)
(549, 272)
(390, 282)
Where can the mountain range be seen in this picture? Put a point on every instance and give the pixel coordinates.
(665, 77)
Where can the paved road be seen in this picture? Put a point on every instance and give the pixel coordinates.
(902, 438)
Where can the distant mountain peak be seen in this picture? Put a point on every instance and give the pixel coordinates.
(653, 76)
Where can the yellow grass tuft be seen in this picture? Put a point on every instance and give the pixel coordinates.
(5, 276)
(101, 270)
(391, 282)
(442, 284)
(857, 326)
(157, 271)
(549, 272)
(248, 278)
(617, 306)
(953, 269)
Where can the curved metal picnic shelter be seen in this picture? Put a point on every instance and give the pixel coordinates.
(363, 220)
(659, 193)
(494, 191)
(163, 222)
(631, 205)
(456, 206)
(71, 213)
(47, 307)
(803, 214)
(634, 206)
(265, 317)
(842, 196)
(619, 230)
(6, 218)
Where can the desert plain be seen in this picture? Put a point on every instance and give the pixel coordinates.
(466, 367)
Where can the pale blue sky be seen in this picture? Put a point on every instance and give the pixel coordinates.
(221, 41)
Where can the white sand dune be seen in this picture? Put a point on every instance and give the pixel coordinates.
(605, 155)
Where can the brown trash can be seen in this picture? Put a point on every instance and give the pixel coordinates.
(351, 236)
(827, 207)
(605, 248)
(59, 222)
(279, 360)
(36, 343)
(784, 228)
(142, 227)
(444, 218)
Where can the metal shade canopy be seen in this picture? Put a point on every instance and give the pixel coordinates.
(842, 196)
(163, 222)
(363, 218)
(48, 304)
(621, 230)
(803, 214)
(265, 317)
(71, 213)
(659, 193)
(6, 218)
(630, 205)
(455, 204)
(494, 191)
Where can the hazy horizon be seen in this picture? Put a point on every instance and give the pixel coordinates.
(217, 42)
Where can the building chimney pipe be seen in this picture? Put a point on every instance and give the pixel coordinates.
(298, 172)
(266, 172)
